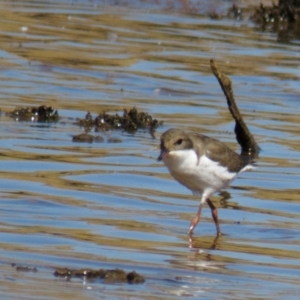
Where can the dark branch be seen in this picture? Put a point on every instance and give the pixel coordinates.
(243, 135)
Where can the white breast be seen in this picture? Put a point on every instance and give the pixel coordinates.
(198, 174)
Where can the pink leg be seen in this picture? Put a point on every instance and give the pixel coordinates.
(214, 214)
(195, 220)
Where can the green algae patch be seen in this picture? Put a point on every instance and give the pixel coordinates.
(35, 114)
(130, 121)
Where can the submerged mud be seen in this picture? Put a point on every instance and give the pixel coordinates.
(106, 276)
(21, 268)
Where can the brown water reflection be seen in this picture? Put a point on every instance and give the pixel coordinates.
(108, 205)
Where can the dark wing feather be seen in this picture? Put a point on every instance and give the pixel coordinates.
(219, 152)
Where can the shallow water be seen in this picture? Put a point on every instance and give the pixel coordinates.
(111, 205)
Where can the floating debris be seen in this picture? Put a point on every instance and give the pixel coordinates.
(35, 114)
(107, 276)
(130, 121)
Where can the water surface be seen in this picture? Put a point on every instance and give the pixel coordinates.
(112, 205)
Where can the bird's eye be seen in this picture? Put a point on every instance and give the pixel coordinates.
(178, 142)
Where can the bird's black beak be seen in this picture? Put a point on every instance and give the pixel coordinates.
(160, 157)
(163, 152)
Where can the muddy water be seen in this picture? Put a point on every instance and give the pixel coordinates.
(111, 205)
